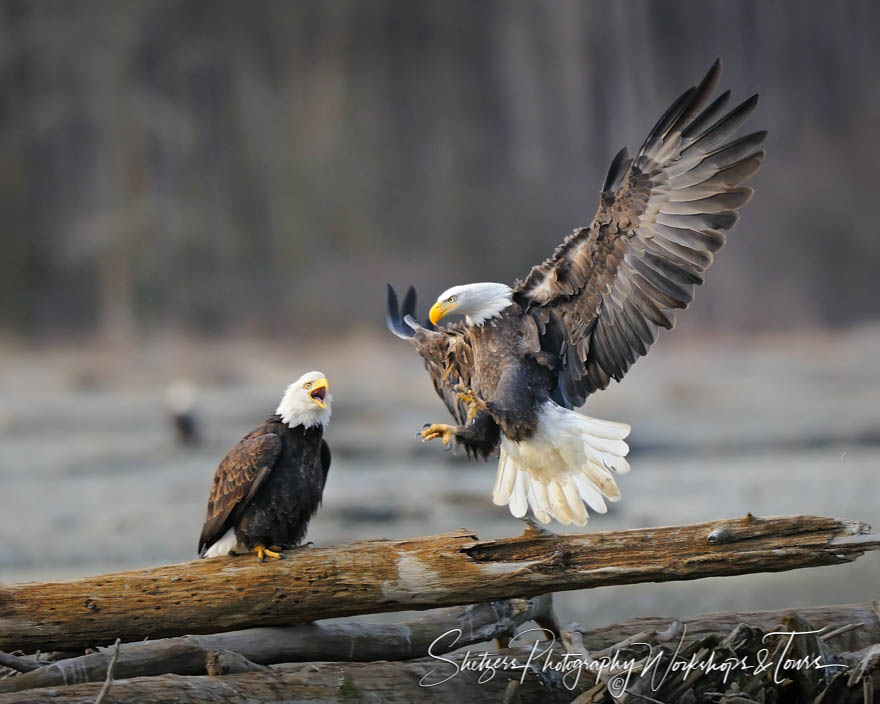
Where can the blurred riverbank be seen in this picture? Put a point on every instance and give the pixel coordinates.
(93, 481)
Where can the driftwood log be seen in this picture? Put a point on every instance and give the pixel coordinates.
(744, 666)
(325, 683)
(395, 575)
(19, 664)
(539, 673)
(307, 642)
(228, 662)
(850, 627)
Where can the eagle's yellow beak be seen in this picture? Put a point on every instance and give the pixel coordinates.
(439, 310)
(318, 391)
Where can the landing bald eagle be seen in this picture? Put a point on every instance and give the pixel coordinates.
(269, 485)
(525, 357)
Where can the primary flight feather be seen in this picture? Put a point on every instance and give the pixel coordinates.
(526, 356)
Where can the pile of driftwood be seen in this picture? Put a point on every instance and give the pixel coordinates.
(231, 629)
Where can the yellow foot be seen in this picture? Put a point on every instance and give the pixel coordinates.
(474, 403)
(264, 552)
(438, 430)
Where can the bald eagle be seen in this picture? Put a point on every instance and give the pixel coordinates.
(181, 399)
(526, 356)
(270, 484)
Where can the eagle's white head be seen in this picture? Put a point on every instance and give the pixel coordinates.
(306, 401)
(477, 302)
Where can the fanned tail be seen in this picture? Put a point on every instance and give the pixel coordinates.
(566, 466)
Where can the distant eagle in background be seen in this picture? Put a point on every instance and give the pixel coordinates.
(270, 484)
(525, 357)
(181, 399)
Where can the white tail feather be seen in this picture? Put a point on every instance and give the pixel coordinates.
(590, 494)
(559, 504)
(567, 463)
(537, 509)
(226, 545)
(576, 508)
(541, 507)
(598, 428)
(504, 480)
(603, 480)
(603, 446)
(519, 501)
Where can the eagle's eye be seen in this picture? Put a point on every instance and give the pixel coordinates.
(451, 299)
(307, 385)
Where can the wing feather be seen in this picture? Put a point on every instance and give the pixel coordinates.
(608, 288)
(446, 354)
(236, 481)
(645, 328)
(742, 149)
(699, 260)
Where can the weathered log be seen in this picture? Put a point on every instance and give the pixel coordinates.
(748, 664)
(227, 662)
(542, 679)
(301, 643)
(11, 665)
(19, 664)
(313, 683)
(740, 643)
(394, 575)
(367, 642)
(865, 617)
(108, 680)
(862, 663)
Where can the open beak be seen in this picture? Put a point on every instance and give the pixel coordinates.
(439, 310)
(318, 394)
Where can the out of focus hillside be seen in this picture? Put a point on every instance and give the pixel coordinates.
(262, 166)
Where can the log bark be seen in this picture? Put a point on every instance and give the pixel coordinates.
(866, 616)
(301, 643)
(324, 683)
(532, 677)
(227, 662)
(368, 642)
(19, 664)
(395, 575)
(382, 681)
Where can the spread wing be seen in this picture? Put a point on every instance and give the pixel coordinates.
(237, 479)
(447, 354)
(608, 288)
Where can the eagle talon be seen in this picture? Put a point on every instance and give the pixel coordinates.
(264, 552)
(438, 430)
(474, 403)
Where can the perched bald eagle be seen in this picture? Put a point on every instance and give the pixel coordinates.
(269, 485)
(524, 357)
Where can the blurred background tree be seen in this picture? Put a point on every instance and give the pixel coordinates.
(228, 167)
